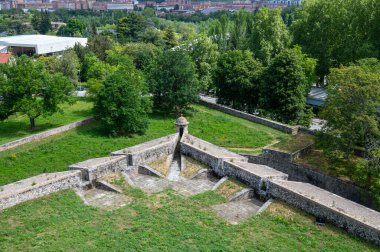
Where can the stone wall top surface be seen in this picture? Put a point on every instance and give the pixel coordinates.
(260, 170)
(147, 145)
(210, 148)
(95, 162)
(334, 202)
(34, 182)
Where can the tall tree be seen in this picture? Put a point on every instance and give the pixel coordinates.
(73, 28)
(170, 37)
(269, 35)
(123, 103)
(99, 44)
(237, 80)
(129, 27)
(27, 87)
(173, 81)
(285, 88)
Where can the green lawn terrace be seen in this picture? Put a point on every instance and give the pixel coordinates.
(58, 152)
(163, 221)
(17, 126)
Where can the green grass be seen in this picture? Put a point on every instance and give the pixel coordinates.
(294, 143)
(17, 126)
(163, 222)
(57, 152)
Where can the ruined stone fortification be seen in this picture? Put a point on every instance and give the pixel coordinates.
(263, 180)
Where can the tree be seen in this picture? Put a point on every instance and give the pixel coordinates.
(41, 22)
(27, 87)
(269, 35)
(336, 32)
(99, 44)
(173, 81)
(153, 36)
(238, 32)
(74, 28)
(142, 54)
(170, 37)
(129, 27)
(352, 108)
(285, 88)
(205, 55)
(237, 79)
(123, 103)
(68, 64)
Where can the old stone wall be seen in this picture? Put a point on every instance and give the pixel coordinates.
(339, 218)
(24, 190)
(96, 168)
(44, 134)
(302, 173)
(149, 151)
(279, 155)
(256, 119)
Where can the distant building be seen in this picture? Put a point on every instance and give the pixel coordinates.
(39, 44)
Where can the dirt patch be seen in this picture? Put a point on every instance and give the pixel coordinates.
(192, 167)
(230, 187)
(161, 165)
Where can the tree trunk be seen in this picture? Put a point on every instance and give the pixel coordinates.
(32, 124)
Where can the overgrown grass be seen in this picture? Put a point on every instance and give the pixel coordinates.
(230, 187)
(163, 222)
(17, 126)
(56, 153)
(294, 143)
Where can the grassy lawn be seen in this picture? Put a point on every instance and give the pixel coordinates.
(294, 143)
(57, 152)
(164, 221)
(17, 126)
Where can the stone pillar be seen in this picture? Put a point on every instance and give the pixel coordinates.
(181, 125)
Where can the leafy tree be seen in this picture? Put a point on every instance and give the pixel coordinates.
(205, 55)
(68, 64)
(142, 54)
(129, 27)
(170, 37)
(34, 92)
(237, 79)
(352, 108)
(99, 44)
(173, 81)
(74, 28)
(218, 30)
(238, 32)
(41, 22)
(285, 88)
(153, 36)
(336, 32)
(269, 35)
(123, 103)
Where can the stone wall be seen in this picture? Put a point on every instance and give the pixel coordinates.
(149, 151)
(274, 154)
(302, 173)
(256, 119)
(96, 168)
(355, 224)
(44, 134)
(34, 187)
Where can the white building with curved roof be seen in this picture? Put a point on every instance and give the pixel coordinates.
(39, 44)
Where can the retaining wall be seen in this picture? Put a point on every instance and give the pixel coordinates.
(272, 124)
(93, 169)
(357, 225)
(302, 173)
(149, 151)
(34, 187)
(44, 134)
(285, 156)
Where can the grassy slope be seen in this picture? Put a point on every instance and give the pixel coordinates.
(18, 126)
(163, 222)
(56, 153)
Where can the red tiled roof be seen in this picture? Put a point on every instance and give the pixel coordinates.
(4, 58)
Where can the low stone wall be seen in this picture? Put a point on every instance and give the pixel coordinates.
(274, 154)
(24, 190)
(355, 224)
(302, 173)
(96, 168)
(272, 124)
(149, 151)
(208, 153)
(251, 174)
(44, 134)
